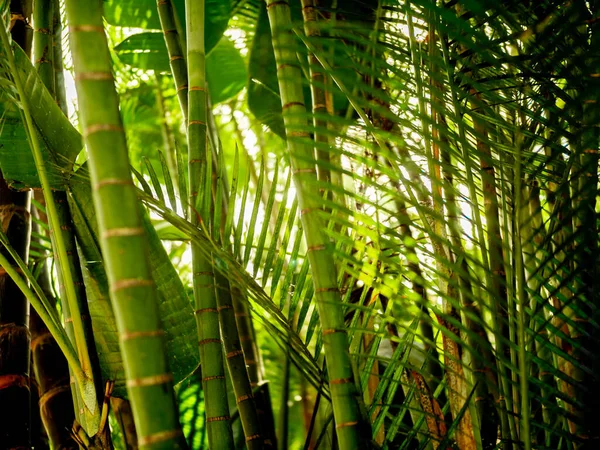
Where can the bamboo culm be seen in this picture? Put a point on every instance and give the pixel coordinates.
(133, 293)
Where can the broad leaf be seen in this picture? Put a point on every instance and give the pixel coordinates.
(263, 88)
(61, 143)
(143, 14)
(225, 67)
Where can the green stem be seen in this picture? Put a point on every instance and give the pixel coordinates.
(209, 337)
(347, 414)
(175, 51)
(237, 366)
(123, 241)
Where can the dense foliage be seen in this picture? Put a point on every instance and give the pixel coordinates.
(299, 224)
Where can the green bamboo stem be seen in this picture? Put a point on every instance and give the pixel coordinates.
(344, 395)
(237, 366)
(133, 293)
(319, 101)
(467, 435)
(168, 139)
(175, 51)
(207, 317)
(519, 207)
(45, 51)
(254, 367)
(534, 233)
(481, 236)
(478, 342)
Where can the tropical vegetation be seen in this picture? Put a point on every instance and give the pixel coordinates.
(299, 224)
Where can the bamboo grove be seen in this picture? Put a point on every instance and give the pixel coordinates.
(300, 224)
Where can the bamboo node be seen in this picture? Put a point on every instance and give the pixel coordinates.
(291, 66)
(197, 88)
(130, 283)
(250, 362)
(591, 151)
(217, 418)
(182, 87)
(214, 377)
(4, 272)
(241, 314)
(209, 341)
(243, 398)
(252, 437)
(326, 289)
(158, 437)
(206, 272)
(332, 331)
(40, 340)
(346, 424)
(86, 29)
(171, 30)
(175, 58)
(315, 248)
(234, 353)
(278, 2)
(123, 232)
(94, 76)
(305, 170)
(150, 381)
(298, 134)
(162, 2)
(224, 307)
(50, 393)
(341, 381)
(43, 30)
(200, 286)
(291, 104)
(245, 338)
(12, 380)
(100, 127)
(196, 122)
(140, 334)
(112, 182)
(319, 106)
(206, 310)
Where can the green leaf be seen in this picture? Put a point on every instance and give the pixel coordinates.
(145, 51)
(263, 88)
(225, 67)
(143, 14)
(175, 308)
(61, 142)
(225, 72)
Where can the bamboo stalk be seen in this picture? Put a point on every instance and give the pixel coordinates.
(254, 367)
(175, 51)
(317, 89)
(52, 375)
(207, 317)
(237, 366)
(351, 427)
(47, 17)
(133, 294)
